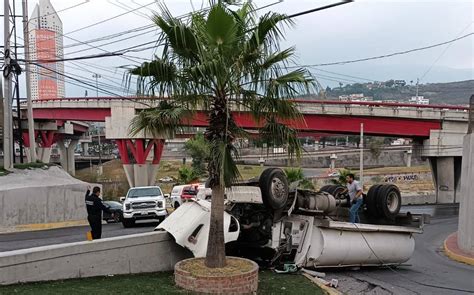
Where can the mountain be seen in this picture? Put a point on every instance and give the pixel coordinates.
(399, 90)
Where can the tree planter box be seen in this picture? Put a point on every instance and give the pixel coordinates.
(202, 281)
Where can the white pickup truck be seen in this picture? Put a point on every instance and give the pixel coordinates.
(273, 223)
(147, 202)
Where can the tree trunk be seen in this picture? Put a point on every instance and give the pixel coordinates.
(215, 256)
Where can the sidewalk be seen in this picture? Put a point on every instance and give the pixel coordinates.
(452, 250)
(41, 226)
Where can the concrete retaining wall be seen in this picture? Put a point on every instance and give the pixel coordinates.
(41, 196)
(139, 253)
(385, 159)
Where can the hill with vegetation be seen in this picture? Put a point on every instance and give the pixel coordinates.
(398, 90)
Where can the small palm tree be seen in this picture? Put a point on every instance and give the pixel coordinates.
(220, 61)
(341, 179)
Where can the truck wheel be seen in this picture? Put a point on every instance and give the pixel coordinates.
(128, 223)
(274, 187)
(336, 191)
(326, 188)
(389, 201)
(176, 205)
(371, 200)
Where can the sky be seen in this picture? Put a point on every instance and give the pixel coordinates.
(347, 32)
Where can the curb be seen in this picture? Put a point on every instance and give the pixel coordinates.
(320, 283)
(45, 226)
(456, 256)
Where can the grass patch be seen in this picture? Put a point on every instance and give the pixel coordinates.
(155, 283)
(23, 166)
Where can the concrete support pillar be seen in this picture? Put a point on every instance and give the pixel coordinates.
(333, 161)
(446, 177)
(66, 153)
(138, 170)
(43, 154)
(409, 154)
(85, 148)
(466, 206)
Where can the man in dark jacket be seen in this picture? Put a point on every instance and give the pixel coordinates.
(95, 207)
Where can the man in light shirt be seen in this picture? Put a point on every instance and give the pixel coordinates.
(355, 193)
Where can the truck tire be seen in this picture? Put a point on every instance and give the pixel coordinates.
(176, 205)
(274, 187)
(326, 188)
(371, 201)
(128, 222)
(336, 192)
(389, 201)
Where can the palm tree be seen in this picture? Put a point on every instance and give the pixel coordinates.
(219, 61)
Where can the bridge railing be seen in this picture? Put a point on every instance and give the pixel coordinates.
(301, 101)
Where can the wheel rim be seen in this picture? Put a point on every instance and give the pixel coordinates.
(392, 202)
(278, 188)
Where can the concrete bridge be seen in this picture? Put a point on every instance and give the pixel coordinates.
(439, 129)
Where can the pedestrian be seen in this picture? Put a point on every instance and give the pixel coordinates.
(356, 197)
(95, 207)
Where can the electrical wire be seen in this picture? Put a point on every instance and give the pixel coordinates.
(406, 277)
(90, 85)
(390, 54)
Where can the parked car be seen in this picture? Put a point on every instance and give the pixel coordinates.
(182, 193)
(116, 209)
(166, 179)
(147, 202)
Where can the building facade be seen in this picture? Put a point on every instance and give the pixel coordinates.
(46, 44)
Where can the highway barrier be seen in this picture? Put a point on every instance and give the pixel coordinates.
(130, 254)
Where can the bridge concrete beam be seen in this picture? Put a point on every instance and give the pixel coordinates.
(140, 159)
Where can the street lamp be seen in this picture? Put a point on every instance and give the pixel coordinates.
(97, 76)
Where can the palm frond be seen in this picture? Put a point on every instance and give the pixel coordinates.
(161, 122)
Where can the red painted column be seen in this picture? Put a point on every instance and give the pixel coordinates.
(123, 151)
(158, 151)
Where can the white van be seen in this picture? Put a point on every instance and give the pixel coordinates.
(182, 193)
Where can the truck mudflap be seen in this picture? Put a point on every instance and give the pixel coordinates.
(189, 225)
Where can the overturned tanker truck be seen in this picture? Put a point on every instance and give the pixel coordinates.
(273, 222)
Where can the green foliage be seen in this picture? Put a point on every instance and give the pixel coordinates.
(296, 174)
(35, 165)
(198, 148)
(216, 59)
(187, 175)
(341, 179)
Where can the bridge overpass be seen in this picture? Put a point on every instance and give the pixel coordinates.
(440, 128)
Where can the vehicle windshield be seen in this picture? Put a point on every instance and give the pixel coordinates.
(144, 192)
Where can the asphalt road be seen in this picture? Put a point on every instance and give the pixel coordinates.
(429, 271)
(23, 240)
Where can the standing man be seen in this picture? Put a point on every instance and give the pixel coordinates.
(355, 193)
(94, 211)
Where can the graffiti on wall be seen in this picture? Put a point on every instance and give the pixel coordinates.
(401, 178)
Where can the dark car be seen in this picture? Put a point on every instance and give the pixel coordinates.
(116, 209)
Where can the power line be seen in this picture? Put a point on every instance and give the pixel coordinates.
(391, 54)
(64, 9)
(443, 52)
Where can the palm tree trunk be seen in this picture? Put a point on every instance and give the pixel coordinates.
(217, 133)
(215, 256)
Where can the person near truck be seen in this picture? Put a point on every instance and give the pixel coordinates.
(95, 207)
(355, 193)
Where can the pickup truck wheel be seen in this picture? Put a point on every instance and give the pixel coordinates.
(371, 200)
(274, 187)
(176, 205)
(128, 223)
(389, 201)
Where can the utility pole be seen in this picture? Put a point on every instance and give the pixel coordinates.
(7, 101)
(417, 82)
(97, 76)
(361, 165)
(31, 124)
